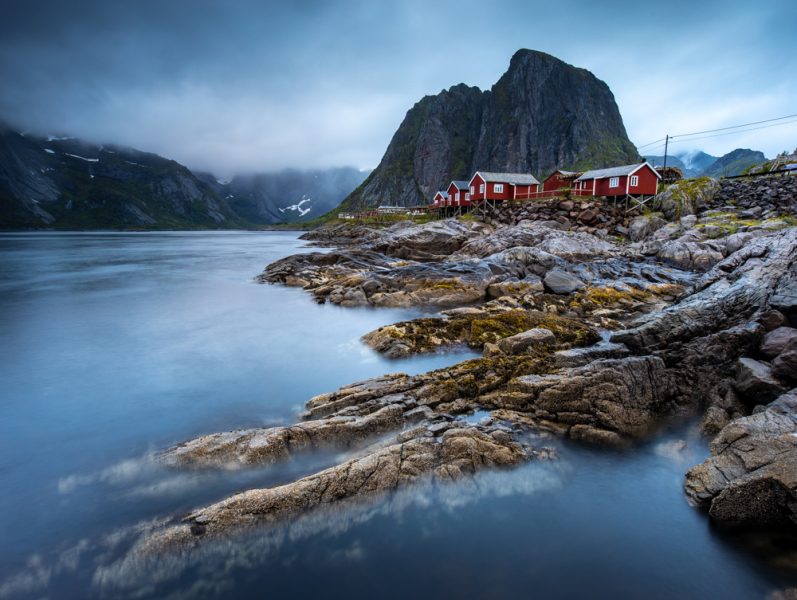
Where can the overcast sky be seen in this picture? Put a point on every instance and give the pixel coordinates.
(235, 86)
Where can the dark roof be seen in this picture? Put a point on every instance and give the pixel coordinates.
(512, 178)
(613, 172)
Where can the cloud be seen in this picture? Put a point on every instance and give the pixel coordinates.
(249, 86)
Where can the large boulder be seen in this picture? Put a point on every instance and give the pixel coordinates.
(755, 380)
(517, 344)
(785, 364)
(693, 256)
(685, 197)
(641, 227)
(562, 282)
(776, 341)
(751, 476)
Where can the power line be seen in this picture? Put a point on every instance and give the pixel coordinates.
(693, 139)
(650, 144)
(733, 126)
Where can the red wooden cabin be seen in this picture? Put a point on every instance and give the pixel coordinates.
(559, 180)
(458, 193)
(502, 186)
(629, 180)
(440, 199)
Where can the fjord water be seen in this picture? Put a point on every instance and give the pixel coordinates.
(116, 345)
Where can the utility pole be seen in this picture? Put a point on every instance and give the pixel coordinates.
(666, 144)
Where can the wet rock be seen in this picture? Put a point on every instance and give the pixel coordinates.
(561, 282)
(772, 319)
(576, 357)
(751, 477)
(613, 401)
(785, 364)
(453, 454)
(755, 380)
(474, 330)
(776, 341)
(519, 343)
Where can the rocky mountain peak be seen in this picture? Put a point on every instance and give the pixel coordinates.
(542, 114)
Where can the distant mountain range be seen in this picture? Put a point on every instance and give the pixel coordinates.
(542, 114)
(700, 164)
(67, 183)
(289, 196)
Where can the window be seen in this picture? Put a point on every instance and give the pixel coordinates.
(473, 189)
(614, 182)
(498, 188)
(481, 189)
(634, 180)
(467, 196)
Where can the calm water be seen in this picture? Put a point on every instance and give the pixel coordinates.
(117, 345)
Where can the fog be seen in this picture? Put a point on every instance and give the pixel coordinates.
(246, 86)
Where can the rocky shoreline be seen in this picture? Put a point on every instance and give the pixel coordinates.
(597, 336)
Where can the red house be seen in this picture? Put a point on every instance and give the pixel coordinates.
(458, 193)
(559, 180)
(440, 199)
(629, 180)
(502, 186)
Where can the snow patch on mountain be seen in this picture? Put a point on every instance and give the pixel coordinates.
(298, 207)
(82, 157)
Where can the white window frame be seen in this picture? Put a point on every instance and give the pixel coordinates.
(481, 188)
(473, 189)
(467, 196)
(614, 182)
(634, 180)
(498, 188)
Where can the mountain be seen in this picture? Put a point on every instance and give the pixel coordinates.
(289, 196)
(692, 163)
(542, 114)
(735, 162)
(68, 183)
(696, 161)
(672, 161)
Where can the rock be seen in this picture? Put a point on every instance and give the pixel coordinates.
(491, 349)
(519, 343)
(614, 400)
(755, 380)
(751, 477)
(689, 255)
(588, 216)
(567, 205)
(776, 341)
(454, 454)
(515, 287)
(641, 227)
(772, 319)
(576, 357)
(561, 282)
(785, 364)
(685, 197)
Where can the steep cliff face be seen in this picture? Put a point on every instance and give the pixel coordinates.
(436, 139)
(541, 115)
(544, 114)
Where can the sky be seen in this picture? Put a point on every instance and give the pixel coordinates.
(239, 86)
